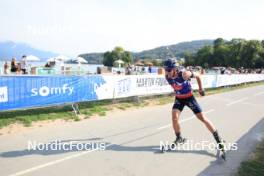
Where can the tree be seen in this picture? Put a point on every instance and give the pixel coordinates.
(118, 53)
(189, 58)
(235, 53)
(204, 56)
(108, 59)
(218, 42)
(127, 57)
(236, 46)
(220, 53)
(262, 43)
(251, 53)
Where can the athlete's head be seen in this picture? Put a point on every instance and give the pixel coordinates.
(170, 67)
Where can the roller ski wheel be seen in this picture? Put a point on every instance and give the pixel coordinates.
(174, 144)
(221, 150)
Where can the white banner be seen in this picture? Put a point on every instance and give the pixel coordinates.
(142, 85)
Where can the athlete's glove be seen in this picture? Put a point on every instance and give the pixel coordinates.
(202, 92)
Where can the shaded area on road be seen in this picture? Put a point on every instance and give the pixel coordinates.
(122, 147)
(246, 144)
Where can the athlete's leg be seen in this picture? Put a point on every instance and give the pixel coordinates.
(176, 111)
(193, 104)
(206, 122)
(175, 120)
(213, 130)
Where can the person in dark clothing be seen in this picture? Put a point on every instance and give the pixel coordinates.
(180, 82)
(13, 65)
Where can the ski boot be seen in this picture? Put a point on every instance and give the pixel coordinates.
(221, 150)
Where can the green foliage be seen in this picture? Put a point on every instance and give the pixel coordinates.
(108, 59)
(116, 54)
(235, 53)
(163, 52)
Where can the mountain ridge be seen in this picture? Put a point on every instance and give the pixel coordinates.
(10, 49)
(161, 52)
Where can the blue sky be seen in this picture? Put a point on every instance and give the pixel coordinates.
(72, 27)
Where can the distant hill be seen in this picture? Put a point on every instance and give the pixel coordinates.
(161, 52)
(176, 50)
(93, 58)
(10, 49)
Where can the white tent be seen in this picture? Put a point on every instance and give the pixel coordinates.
(62, 58)
(52, 59)
(119, 62)
(80, 60)
(59, 58)
(31, 58)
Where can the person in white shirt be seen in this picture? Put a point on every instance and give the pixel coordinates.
(23, 64)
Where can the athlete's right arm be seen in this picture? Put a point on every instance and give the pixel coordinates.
(187, 75)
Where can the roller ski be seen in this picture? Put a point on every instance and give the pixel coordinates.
(221, 150)
(169, 147)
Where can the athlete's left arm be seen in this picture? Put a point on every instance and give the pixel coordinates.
(187, 75)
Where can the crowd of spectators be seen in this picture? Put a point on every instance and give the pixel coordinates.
(16, 67)
(226, 70)
(22, 67)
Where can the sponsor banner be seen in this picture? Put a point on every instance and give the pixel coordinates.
(31, 91)
(18, 92)
(150, 84)
(208, 81)
(225, 80)
(133, 85)
(3, 94)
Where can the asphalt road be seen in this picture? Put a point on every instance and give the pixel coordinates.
(132, 141)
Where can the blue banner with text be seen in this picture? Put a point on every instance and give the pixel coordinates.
(18, 92)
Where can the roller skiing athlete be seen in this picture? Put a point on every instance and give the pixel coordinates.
(180, 82)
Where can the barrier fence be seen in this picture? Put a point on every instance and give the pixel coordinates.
(20, 92)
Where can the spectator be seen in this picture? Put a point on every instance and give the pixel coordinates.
(223, 71)
(18, 68)
(6, 68)
(128, 70)
(150, 69)
(47, 65)
(23, 64)
(62, 67)
(13, 66)
(143, 70)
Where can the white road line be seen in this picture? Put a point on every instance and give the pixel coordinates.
(221, 99)
(184, 120)
(253, 104)
(237, 101)
(55, 162)
(257, 94)
(165, 126)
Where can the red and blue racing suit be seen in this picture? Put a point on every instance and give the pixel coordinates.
(183, 94)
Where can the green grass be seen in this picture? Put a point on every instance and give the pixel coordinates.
(26, 117)
(165, 100)
(88, 109)
(124, 106)
(255, 165)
